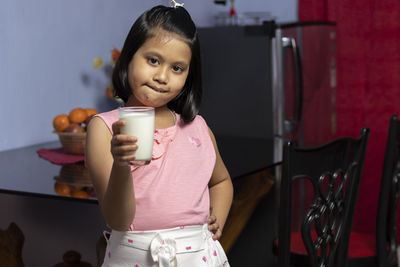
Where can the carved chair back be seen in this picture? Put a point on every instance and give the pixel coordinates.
(334, 171)
(386, 222)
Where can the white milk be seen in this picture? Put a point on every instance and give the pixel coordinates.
(139, 123)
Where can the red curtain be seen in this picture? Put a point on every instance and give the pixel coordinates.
(368, 73)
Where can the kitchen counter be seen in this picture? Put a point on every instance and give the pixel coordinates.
(22, 171)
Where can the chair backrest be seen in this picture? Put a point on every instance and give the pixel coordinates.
(386, 223)
(334, 171)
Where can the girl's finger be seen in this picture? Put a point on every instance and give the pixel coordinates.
(116, 126)
(213, 227)
(217, 234)
(212, 219)
(123, 160)
(126, 158)
(121, 138)
(123, 149)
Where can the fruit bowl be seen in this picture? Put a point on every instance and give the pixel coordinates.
(74, 174)
(71, 129)
(74, 181)
(73, 143)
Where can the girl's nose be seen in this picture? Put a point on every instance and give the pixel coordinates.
(161, 75)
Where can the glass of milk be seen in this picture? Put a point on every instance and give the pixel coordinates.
(139, 123)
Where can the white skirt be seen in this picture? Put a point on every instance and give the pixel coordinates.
(176, 247)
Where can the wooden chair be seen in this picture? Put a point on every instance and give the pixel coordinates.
(367, 250)
(329, 176)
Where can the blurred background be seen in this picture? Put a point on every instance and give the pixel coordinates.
(47, 50)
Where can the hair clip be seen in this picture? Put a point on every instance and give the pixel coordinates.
(175, 4)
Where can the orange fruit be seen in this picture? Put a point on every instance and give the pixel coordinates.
(80, 194)
(91, 111)
(109, 92)
(61, 122)
(77, 115)
(115, 55)
(62, 189)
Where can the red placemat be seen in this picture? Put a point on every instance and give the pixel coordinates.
(59, 156)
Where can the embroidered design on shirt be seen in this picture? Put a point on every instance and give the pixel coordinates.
(162, 139)
(195, 141)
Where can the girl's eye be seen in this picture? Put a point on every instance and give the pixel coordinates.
(177, 69)
(153, 61)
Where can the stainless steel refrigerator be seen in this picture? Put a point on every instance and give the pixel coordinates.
(270, 81)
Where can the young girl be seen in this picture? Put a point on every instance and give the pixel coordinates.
(172, 211)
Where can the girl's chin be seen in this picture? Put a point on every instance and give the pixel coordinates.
(150, 104)
(148, 101)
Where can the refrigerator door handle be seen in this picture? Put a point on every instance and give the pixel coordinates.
(291, 43)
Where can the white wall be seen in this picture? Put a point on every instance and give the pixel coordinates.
(47, 48)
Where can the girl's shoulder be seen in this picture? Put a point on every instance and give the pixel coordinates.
(197, 121)
(108, 117)
(197, 126)
(200, 119)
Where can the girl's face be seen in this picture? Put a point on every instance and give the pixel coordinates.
(158, 70)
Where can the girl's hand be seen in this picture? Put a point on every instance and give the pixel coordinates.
(122, 145)
(213, 226)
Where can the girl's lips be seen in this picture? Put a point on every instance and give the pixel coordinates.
(159, 90)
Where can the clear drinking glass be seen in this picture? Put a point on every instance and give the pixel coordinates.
(139, 123)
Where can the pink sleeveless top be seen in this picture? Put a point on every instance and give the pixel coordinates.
(172, 190)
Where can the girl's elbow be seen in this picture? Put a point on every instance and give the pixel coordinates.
(118, 223)
(119, 226)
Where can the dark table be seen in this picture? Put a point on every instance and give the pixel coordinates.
(22, 171)
(27, 194)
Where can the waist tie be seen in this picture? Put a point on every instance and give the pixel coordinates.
(163, 251)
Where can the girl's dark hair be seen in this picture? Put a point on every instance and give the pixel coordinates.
(175, 20)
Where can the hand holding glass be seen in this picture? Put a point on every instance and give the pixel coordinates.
(139, 122)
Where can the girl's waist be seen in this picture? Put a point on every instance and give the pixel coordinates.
(180, 239)
(168, 217)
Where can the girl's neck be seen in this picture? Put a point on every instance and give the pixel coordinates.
(164, 118)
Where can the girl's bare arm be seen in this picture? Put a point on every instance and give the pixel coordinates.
(112, 181)
(221, 193)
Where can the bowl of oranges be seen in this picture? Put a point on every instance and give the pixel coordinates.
(71, 129)
(74, 181)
